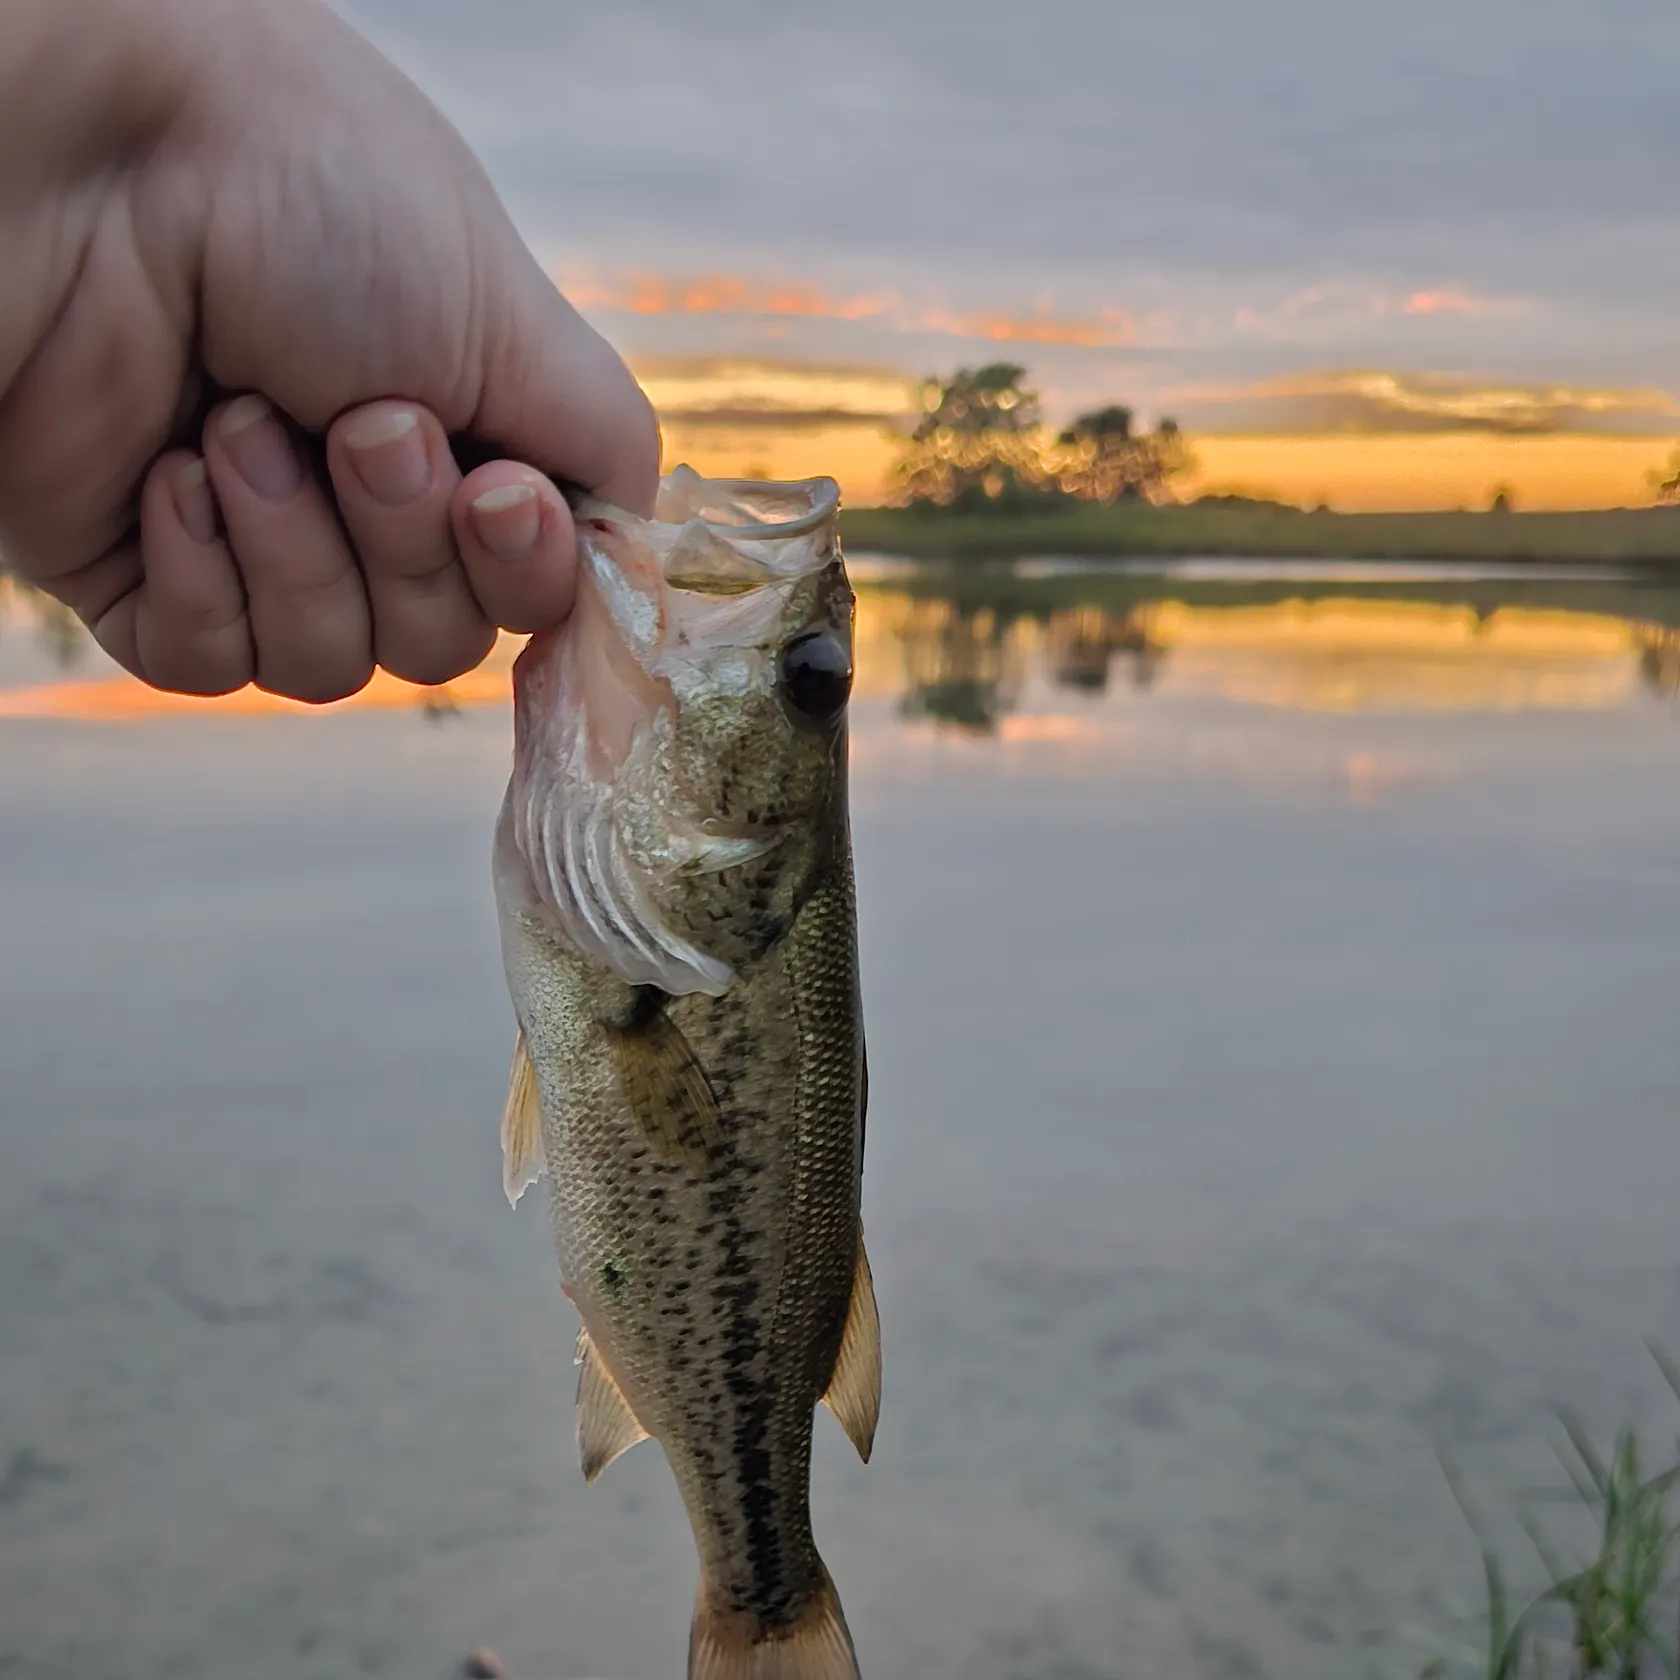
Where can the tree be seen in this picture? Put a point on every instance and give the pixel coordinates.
(1113, 423)
(985, 399)
(977, 443)
(1105, 461)
(1668, 488)
(981, 444)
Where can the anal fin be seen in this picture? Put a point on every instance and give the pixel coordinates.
(522, 1139)
(854, 1391)
(606, 1426)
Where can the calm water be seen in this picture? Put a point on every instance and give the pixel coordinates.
(1271, 996)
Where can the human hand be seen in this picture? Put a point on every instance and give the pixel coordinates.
(266, 286)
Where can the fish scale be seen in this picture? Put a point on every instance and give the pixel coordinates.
(703, 1139)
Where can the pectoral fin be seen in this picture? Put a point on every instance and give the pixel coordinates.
(522, 1139)
(666, 1087)
(605, 1424)
(854, 1391)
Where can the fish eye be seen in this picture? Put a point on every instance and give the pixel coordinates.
(817, 674)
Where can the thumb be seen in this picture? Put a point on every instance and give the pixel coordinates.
(555, 394)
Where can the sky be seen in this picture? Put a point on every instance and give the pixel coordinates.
(1285, 215)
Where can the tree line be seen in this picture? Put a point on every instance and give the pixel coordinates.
(982, 444)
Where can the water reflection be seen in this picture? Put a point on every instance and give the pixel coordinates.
(964, 669)
(964, 649)
(1083, 641)
(972, 666)
(1263, 1096)
(1659, 661)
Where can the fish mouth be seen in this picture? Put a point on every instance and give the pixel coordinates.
(756, 509)
(726, 536)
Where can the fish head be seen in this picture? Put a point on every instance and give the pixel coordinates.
(757, 650)
(680, 742)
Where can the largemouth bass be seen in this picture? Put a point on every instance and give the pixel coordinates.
(674, 882)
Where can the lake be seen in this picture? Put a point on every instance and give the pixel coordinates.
(1270, 976)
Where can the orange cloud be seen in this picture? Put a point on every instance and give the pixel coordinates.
(1448, 300)
(1111, 328)
(1376, 399)
(645, 293)
(1435, 303)
(744, 387)
(642, 292)
(1329, 305)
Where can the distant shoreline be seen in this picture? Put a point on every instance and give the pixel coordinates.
(1627, 537)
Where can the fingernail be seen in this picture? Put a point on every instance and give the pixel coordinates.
(507, 520)
(195, 507)
(389, 455)
(261, 452)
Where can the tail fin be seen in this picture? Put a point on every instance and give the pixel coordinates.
(726, 1645)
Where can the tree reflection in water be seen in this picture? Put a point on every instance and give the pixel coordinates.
(964, 669)
(1082, 642)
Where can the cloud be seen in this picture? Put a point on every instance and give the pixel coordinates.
(1377, 400)
(643, 292)
(1444, 302)
(735, 390)
(1216, 127)
(960, 157)
(1333, 308)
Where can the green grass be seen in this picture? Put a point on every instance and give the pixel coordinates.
(1609, 1614)
(1624, 536)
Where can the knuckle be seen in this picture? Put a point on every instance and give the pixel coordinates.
(199, 621)
(423, 572)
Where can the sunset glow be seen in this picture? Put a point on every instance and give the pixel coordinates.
(1387, 399)
(643, 292)
(1401, 471)
(1330, 654)
(1432, 471)
(116, 697)
(1354, 440)
(1433, 303)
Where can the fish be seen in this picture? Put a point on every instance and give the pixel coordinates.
(674, 885)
